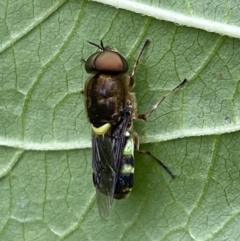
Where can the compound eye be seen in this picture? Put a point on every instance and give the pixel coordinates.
(106, 61)
(90, 63)
(109, 61)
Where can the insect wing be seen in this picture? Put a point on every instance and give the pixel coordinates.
(107, 157)
(105, 173)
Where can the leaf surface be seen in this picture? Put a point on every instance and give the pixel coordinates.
(46, 190)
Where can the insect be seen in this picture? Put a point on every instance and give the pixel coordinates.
(111, 109)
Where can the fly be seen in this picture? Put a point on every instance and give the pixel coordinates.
(111, 109)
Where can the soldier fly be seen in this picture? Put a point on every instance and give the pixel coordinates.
(111, 108)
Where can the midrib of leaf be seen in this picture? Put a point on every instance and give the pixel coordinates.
(190, 133)
(148, 139)
(178, 18)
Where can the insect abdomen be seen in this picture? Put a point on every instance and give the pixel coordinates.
(125, 178)
(126, 174)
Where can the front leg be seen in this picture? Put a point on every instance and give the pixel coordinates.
(154, 107)
(131, 82)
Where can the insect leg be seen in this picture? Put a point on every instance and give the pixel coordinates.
(136, 146)
(159, 162)
(131, 83)
(145, 116)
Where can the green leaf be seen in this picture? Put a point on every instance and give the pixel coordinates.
(46, 190)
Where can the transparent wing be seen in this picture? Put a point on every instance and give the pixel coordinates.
(105, 171)
(107, 157)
